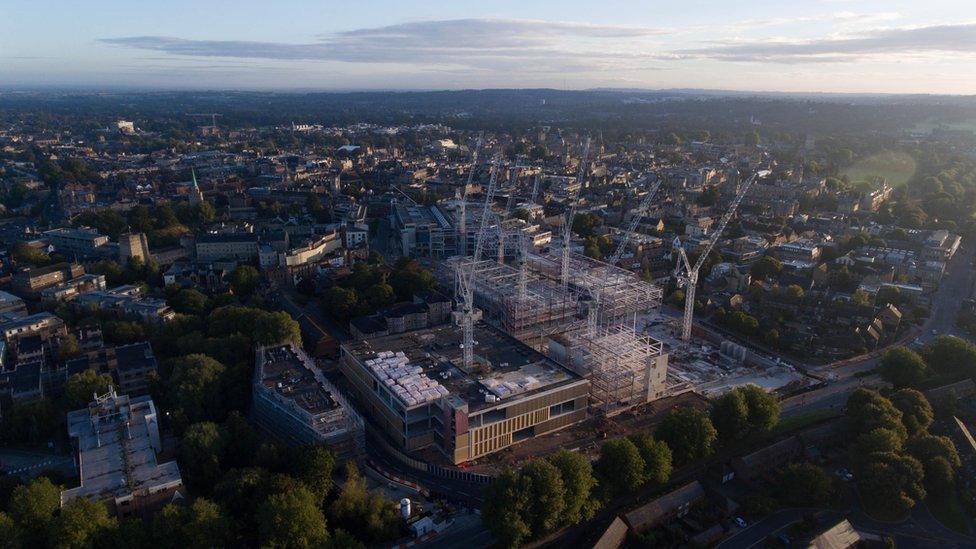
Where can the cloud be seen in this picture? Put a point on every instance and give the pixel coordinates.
(487, 44)
(959, 39)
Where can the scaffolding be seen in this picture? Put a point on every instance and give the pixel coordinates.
(623, 295)
(625, 368)
(543, 308)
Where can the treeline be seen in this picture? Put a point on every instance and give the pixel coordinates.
(563, 489)
(162, 224)
(897, 462)
(247, 493)
(945, 359)
(372, 286)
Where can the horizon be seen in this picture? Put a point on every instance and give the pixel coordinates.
(826, 46)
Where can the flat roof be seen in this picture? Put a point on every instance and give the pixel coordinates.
(115, 454)
(505, 369)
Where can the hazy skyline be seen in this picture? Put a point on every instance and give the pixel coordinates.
(826, 45)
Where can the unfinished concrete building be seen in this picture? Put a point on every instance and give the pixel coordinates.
(524, 305)
(625, 368)
(622, 294)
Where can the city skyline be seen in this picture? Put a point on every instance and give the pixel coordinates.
(846, 46)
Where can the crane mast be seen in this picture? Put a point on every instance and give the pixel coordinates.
(462, 216)
(689, 277)
(593, 312)
(568, 224)
(466, 271)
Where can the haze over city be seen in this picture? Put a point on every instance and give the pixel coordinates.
(811, 46)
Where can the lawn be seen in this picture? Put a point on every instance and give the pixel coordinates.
(805, 419)
(896, 167)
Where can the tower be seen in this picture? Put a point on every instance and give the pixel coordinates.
(133, 246)
(196, 195)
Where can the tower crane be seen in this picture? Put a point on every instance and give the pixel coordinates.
(462, 216)
(687, 274)
(568, 224)
(535, 187)
(466, 271)
(596, 296)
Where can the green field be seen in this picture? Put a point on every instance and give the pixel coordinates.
(896, 167)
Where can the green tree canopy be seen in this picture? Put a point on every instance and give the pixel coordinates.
(195, 388)
(903, 367)
(766, 267)
(578, 481)
(950, 355)
(244, 280)
(506, 500)
(656, 456)
(620, 467)
(744, 413)
(689, 433)
(82, 523)
(33, 506)
(916, 412)
(547, 496)
(891, 483)
(80, 388)
(291, 519)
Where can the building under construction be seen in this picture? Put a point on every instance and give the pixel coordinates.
(521, 303)
(622, 294)
(625, 369)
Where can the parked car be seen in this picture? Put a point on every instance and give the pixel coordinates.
(741, 522)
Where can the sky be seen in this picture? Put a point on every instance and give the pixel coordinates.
(849, 46)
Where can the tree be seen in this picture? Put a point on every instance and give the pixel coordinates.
(689, 433)
(244, 280)
(379, 295)
(80, 524)
(903, 367)
(744, 413)
(620, 467)
(367, 516)
(189, 301)
(804, 485)
(339, 302)
(585, 224)
(314, 467)
(766, 267)
(656, 456)
(867, 410)
(291, 519)
(951, 356)
(506, 498)
(940, 477)
(200, 526)
(926, 448)
(32, 506)
(80, 388)
(578, 481)
(916, 412)
(876, 441)
(68, 347)
(547, 496)
(195, 388)
(742, 323)
(9, 532)
(201, 452)
(861, 299)
(277, 327)
(891, 483)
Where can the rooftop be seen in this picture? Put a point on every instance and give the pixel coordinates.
(116, 454)
(504, 367)
(286, 374)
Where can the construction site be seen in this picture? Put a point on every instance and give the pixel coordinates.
(541, 298)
